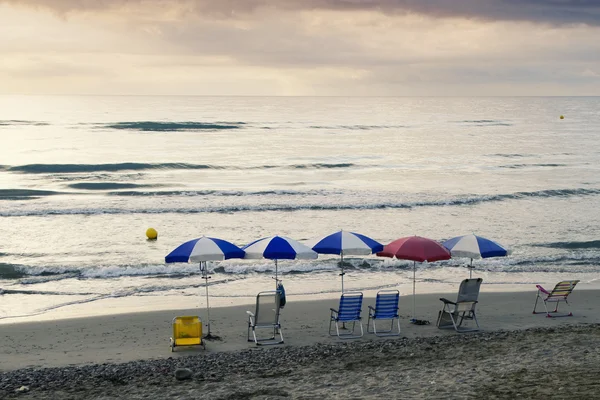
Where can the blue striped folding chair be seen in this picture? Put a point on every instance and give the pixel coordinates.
(348, 311)
(386, 308)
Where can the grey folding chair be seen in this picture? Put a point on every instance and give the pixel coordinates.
(454, 313)
(386, 307)
(266, 316)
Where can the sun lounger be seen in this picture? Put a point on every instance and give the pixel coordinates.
(454, 313)
(561, 291)
(266, 316)
(386, 308)
(187, 331)
(348, 311)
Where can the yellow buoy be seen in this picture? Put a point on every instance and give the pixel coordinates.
(562, 117)
(151, 234)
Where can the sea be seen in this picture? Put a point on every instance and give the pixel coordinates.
(83, 177)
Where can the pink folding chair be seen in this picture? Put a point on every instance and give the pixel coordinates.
(561, 291)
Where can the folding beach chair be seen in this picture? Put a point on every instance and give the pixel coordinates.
(560, 293)
(187, 331)
(266, 315)
(349, 311)
(386, 307)
(454, 313)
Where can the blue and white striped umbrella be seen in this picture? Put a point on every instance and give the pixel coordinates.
(345, 243)
(200, 251)
(204, 249)
(473, 246)
(278, 248)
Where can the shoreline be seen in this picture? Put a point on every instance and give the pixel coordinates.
(52, 306)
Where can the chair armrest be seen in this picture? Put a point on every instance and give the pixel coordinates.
(541, 289)
(446, 301)
(250, 313)
(371, 308)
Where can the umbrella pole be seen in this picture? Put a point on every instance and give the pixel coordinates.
(276, 276)
(207, 303)
(205, 276)
(342, 274)
(414, 284)
(471, 269)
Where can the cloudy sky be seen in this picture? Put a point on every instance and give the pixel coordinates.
(300, 47)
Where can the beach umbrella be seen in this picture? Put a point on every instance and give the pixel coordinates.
(473, 246)
(345, 243)
(278, 248)
(416, 249)
(200, 251)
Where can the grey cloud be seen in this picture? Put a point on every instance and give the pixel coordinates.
(540, 11)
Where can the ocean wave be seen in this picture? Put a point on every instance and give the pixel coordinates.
(224, 193)
(510, 155)
(518, 166)
(322, 165)
(131, 166)
(592, 244)
(86, 168)
(356, 127)
(108, 185)
(485, 122)
(458, 201)
(12, 271)
(12, 122)
(167, 126)
(238, 269)
(23, 194)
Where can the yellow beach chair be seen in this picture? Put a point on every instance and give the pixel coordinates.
(187, 331)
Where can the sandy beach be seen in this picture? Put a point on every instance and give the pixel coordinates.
(128, 356)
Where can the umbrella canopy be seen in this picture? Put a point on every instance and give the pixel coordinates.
(204, 249)
(200, 251)
(415, 248)
(278, 248)
(345, 243)
(473, 246)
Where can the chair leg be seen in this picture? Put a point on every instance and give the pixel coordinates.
(458, 326)
(445, 310)
(452, 315)
(332, 319)
(250, 327)
(349, 335)
(389, 332)
(547, 312)
(570, 314)
(475, 319)
(555, 312)
(537, 296)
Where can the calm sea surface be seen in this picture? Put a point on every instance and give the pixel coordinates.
(82, 178)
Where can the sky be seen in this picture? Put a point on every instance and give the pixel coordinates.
(301, 47)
